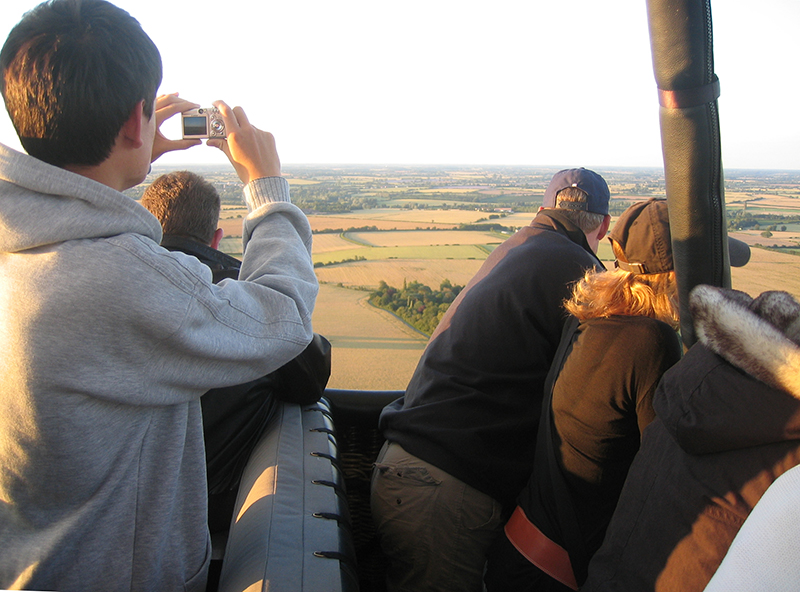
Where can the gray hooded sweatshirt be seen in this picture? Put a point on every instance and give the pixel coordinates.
(109, 341)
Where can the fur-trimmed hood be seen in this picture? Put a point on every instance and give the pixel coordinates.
(759, 336)
(739, 386)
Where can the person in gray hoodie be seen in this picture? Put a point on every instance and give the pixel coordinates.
(110, 339)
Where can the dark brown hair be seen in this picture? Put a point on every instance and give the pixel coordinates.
(72, 73)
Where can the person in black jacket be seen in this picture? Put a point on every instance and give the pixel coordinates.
(188, 208)
(459, 442)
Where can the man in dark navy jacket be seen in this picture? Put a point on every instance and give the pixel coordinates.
(460, 442)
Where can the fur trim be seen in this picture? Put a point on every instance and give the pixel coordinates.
(759, 336)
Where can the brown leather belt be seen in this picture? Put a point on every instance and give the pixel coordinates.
(548, 556)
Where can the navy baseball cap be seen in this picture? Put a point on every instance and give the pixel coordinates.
(588, 181)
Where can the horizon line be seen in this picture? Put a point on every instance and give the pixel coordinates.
(459, 165)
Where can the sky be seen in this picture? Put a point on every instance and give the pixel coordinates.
(498, 82)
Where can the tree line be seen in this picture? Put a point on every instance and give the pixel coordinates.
(415, 303)
(743, 220)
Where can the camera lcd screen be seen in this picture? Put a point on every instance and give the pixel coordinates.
(194, 126)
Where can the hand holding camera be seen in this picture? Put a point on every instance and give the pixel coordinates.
(252, 152)
(166, 107)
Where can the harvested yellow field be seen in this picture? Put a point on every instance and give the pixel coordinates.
(328, 243)
(768, 270)
(385, 218)
(233, 210)
(232, 226)
(779, 238)
(329, 221)
(517, 219)
(424, 217)
(294, 181)
(431, 272)
(736, 198)
(395, 219)
(417, 238)
(763, 202)
(403, 253)
(371, 349)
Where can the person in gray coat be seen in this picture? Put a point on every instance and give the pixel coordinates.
(110, 339)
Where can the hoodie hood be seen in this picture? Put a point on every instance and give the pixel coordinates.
(51, 205)
(739, 386)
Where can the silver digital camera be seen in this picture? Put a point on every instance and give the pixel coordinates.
(205, 122)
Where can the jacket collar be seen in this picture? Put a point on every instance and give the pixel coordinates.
(216, 260)
(553, 219)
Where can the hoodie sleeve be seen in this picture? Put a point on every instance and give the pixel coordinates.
(264, 319)
(174, 334)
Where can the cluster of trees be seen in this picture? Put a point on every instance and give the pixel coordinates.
(475, 197)
(616, 206)
(491, 227)
(350, 260)
(742, 220)
(330, 198)
(417, 304)
(229, 193)
(643, 188)
(349, 229)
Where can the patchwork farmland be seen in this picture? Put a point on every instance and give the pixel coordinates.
(405, 225)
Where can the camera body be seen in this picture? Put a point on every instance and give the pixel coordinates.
(205, 122)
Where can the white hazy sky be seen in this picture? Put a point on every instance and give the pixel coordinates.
(556, 82)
